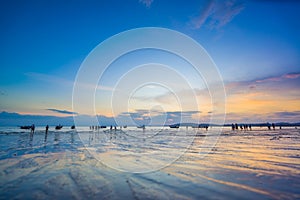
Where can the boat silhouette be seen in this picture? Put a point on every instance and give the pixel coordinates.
(58, 127)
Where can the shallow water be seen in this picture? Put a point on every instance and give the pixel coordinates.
(256, 164)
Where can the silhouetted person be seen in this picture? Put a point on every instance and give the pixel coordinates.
(269, 126)
(47, 128)
(279, 127)
(206, 127)
(232, 127)
(273, 125)
(32, 128)
(236, 126)
(111, 127)
(241, 127)
(250, 127)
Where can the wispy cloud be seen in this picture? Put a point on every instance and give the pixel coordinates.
(150, 117)
(62, 111)
(279, 78)
(147, 3)
(217, 14)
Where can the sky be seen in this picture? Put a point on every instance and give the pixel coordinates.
(254, 44)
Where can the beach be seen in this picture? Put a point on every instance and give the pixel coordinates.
(257, 164)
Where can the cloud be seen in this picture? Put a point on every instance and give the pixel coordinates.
(286, 114)
(217, 14)
(156, 117)
(147, 3)
(291, 75)
(279, 78)
(62, 111)
(240, 86)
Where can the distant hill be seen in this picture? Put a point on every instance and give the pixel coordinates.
(16, 119)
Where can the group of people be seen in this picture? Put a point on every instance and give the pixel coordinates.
(32, 128)
(273, 126)
(242, 127)
(248, 127)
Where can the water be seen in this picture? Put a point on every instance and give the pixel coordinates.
(255, 164)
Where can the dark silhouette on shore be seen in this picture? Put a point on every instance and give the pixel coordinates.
(233, 127)
(25, 127)
(47, 128)
(58, 127)
(236, 126)
(273, 125)
(32, 128)
(46, 133)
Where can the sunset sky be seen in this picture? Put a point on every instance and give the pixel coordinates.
(254, 44)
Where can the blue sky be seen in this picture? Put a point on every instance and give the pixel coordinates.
(255, 45)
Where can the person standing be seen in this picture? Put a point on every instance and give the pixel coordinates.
(47, 128)
(32, 128)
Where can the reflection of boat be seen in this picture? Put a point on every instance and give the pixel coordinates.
(174, 126)
(58, 127)
(25, 127)
(142, 126)
(73, 127)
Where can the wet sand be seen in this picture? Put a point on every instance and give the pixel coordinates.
(257, 164)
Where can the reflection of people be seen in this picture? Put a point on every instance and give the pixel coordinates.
(47, 127)
(32, 128)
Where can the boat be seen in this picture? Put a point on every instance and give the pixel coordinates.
(58, 127)
(174, 126)
(73, 127)
(25, 127)
(102, 126)
(142, 126)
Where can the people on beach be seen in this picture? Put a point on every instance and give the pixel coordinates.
(236, 126)
(269, 126)
(32, 128)
(47, 128)
(233, 127)
(273, 125)
(46, 134)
